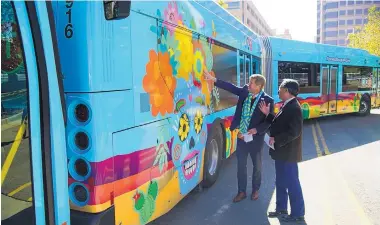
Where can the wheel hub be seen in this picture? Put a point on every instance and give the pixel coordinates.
(363, 107)
(214, 150)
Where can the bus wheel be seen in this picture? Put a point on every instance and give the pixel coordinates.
(365, 106)
(213, 156)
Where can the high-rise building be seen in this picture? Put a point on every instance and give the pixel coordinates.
(337, 19)
(247, 12)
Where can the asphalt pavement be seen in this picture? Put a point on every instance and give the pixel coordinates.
(339, 175)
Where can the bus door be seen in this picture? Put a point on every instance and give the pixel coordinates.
(376, 85)
(329, 89)
(248, 67)
(33, 152)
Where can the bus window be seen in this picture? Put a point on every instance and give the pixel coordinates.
(307, 75)
(356, 78)
(225, 68)
(16, 182)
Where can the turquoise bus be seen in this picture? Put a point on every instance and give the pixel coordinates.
(143, 126)
(34, 170)
(134, 125)
(333, 80)
(106, 117)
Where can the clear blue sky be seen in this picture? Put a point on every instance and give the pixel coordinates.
(299, 16)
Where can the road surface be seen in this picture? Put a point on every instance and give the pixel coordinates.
(340, 177)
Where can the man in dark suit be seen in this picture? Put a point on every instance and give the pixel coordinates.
(252, 126)
(286, 138)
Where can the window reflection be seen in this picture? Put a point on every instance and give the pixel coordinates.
(16, 182)
(307, 75)
(357, 78)
(225, 69)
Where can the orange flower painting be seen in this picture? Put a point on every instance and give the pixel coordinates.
(160, 83)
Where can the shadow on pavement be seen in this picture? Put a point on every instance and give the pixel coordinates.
(25, 216)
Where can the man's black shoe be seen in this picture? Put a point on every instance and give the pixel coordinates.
(293, 219)
(277, 213)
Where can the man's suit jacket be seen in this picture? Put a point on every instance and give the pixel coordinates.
(258, 120)
(287, 132)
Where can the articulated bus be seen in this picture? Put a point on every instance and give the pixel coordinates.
(333, 80)
(143, 126)
(106, 116)
(107, 119)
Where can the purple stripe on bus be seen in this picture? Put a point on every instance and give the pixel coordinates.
(125, 165)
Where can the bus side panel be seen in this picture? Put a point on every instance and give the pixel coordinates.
(108, 112)
(95, 53)
(147, 182)
(145, 64)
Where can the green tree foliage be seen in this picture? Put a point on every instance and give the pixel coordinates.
(368, 38)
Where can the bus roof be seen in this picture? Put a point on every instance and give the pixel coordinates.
(211, 20)
(300, 51)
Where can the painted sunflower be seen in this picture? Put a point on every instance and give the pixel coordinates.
(184, 127)
(198, 121)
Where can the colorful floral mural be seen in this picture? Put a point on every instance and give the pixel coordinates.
(178, 67)
(314, 107)
(160, 83)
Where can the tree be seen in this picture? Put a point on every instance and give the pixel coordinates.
(368, 38)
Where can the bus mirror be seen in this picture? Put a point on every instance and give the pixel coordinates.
(117, 9)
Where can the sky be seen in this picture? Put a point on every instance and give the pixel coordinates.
(299, 16)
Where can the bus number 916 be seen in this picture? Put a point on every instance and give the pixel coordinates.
(69, 27)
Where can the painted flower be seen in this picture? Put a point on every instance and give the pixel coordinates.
(185, 48)
(198, 67)
(169, 44)
(172, 16)
(184, 128)
(159, 83)
(199, 62)
(198, 121)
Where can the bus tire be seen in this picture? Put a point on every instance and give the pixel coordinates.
(365, 106)
(213, 155)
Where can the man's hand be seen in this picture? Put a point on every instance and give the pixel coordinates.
(252, 131)
(240, 136)
(271, 140)
(264, 108)
(208, 76)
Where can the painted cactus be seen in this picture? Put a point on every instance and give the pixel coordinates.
(145, 203)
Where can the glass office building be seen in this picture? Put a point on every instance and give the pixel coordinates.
(336, 19)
